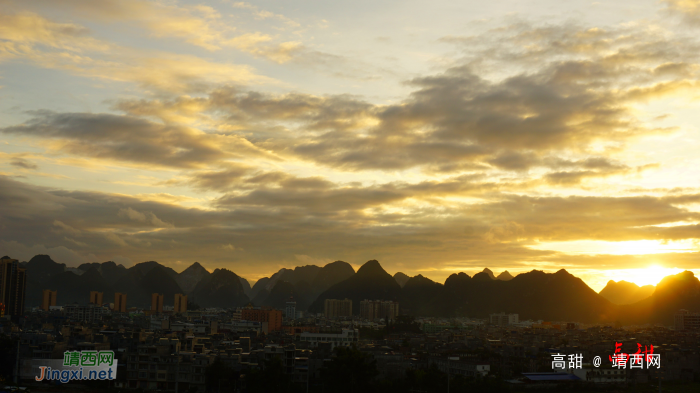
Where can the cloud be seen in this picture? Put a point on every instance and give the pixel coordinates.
(198, 25)
(264, 14)
(259, 45)
(29, 37)
(132, 139)
(60, 254)
(688, 9)
(510, 146)
(22, 163)
(405, 223)
(24, 29)
(144, 217)
(219, 180)
(67, 228)
(571, 92)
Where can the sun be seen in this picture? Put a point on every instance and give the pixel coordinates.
(647, 276)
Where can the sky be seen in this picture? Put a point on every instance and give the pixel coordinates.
(436, 137)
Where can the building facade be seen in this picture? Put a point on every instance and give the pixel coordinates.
(379, 309)
(685, 320)
(180, 303)
(164, 366)
(48, 299)
(96, 297)
(347, 338)
(157, 302)
(272, 317)
(85, 313)
(334, 308)
(503, 319)
(13, 285)
(119, 302)
(290, 310)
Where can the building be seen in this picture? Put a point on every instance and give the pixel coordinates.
(157, 302)
(88, 313)
(272, 317)
(180, 303)
(379, 309)
(290, 310)
(166, 366)
(13, 285)
(347, 338)
(685, 320)
(119, 302)
(334, 308)
(96, 297)
(503, 319)
(48, 299)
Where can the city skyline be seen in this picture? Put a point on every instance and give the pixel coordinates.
(437, 139)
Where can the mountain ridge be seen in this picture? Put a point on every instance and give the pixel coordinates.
(557, 296)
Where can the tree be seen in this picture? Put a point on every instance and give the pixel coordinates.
(349, 371)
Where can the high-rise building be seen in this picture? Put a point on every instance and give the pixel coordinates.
(96, 297)
(120, 302)
(334, 308)
(157, 302)
(180, 303)
(48, 299)
(686, 320)
(272, 317)
(379, 309)
(290, 310)
(13, 284)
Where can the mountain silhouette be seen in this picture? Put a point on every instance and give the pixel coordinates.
(110, 271)
(259, 286)
(318, 279)
(679, 291)
(505, 276)
(370, 282)
(330, 275)
(188, 278)
(284, 291)
(144, 279)
(401, 278)
(489, 273)
(623, 292)
(245, 284)
(73, 288)
(222, 288)
(419, 296)
(41, 268)
(534, 295)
